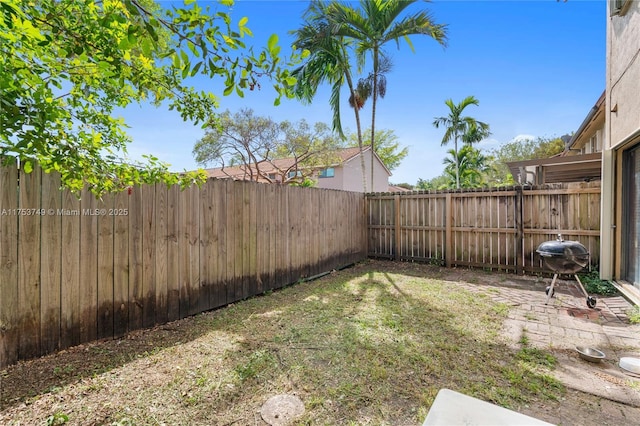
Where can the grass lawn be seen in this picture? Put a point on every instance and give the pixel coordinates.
(371, 344)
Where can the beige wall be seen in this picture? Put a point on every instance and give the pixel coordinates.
(623, 74)
(348, 177)
(622, 126)
(334, 182)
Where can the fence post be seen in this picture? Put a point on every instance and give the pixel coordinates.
(396, 203)
(519, 232)
(448, 232)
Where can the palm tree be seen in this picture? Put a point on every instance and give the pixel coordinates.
(472, 166)
(459, 127)
(328, 61)
(372, 26)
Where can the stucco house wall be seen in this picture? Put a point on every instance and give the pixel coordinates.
(348, 175)
(352, 170)
(622, 131)
(623, 66)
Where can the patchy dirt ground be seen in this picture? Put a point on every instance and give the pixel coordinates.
(352, 354)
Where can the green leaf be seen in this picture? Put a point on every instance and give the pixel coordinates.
(185, 57)
(192, 48)
(146, 47)
(151, 30)
(123, 45)
(228, 90)
(27, 167)
(195, 69)
(272, 42)
(243, 21)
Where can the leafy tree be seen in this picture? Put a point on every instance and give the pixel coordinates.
(66, 65)
(251, 142)
(310, 147)
(241, 138)
(438, 182)
(389, 149)
(518, 150)
(328, 61)
(459, 127)
(371, 27)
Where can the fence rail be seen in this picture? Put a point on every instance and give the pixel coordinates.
(496, 228)
(73, 270)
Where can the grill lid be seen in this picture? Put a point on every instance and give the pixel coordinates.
(562, 256)
(563, 248)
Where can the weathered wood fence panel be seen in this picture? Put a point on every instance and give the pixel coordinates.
(493, 228)
(75, 270)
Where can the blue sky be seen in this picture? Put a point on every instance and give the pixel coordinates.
(536, 67)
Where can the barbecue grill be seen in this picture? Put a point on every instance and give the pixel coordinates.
(565, 257)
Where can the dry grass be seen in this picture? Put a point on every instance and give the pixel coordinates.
(372, 344)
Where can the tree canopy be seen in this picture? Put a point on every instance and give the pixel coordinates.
(389, 149)
(66, 65)
(254, 143)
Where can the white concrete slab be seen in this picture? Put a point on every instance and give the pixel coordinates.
(452, 408)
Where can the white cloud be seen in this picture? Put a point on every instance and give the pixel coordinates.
(522, 137)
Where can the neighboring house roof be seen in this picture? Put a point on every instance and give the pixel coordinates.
(394, 188)
(593, 120)
(568, 166)
(242, 172)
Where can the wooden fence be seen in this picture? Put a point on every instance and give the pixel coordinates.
(494, 228)
(73, 270)
(76, 270)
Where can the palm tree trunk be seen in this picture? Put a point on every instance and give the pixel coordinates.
(455, 149)
(356, 110)
(362, 163)
(373, 110)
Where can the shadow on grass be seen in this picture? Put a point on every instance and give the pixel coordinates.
(369, 344)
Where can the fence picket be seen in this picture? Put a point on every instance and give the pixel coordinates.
(71, 309)
(136, 294)
(9, 314)
(173, 254)
(105, 266)
(206, 218)
(88, 276)
(51, 262)
(29, 281)
(220, 255)
(148, 256)
(120, 263)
